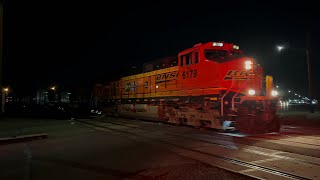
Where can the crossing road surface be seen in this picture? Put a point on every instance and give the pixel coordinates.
(110, 148)
(76, 151)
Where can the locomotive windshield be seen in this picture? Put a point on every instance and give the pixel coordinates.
(236, 54)
(221, 55)
(216, 55)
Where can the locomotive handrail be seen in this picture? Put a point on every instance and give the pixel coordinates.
(232, 101)
(221, 103)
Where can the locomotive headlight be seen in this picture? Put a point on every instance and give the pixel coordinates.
(248, 65)
(251, 92)
(217, 44)
(274, 93)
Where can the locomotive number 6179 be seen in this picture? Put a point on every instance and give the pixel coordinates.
(188, 74)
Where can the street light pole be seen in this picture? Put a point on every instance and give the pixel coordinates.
(310, 85)
(309, 75)
(1, 57)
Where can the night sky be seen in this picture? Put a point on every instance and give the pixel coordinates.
(77, 43)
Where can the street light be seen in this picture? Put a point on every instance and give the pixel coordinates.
(53, 88)
(6, 90)
(280, 48)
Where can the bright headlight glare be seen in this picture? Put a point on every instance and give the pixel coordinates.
(274, 93)
(248, 65)
(251, 92)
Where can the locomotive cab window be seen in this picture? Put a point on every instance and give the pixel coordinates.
(187, 59)
(236, 54)
(216, 55)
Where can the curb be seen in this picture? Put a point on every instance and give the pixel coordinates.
(18, 139)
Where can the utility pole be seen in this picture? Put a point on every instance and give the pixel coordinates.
(308, 51)
(1, 57)
(308, 21)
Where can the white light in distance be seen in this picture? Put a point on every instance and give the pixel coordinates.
(280, 48)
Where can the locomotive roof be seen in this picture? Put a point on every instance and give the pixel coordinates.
(211, 45)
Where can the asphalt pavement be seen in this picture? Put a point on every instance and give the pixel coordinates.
(75, 151)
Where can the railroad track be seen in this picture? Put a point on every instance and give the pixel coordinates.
(288, 147)
(221, 142)
(225, 159)
(267, 141)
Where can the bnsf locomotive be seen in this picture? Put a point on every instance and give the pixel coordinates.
(211, 85)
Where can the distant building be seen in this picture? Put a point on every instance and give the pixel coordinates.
(45, 96)
(65, 97)
(42, 97)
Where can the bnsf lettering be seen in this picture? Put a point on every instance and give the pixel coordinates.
(167, 76)
(236, 75)
(172, 75)
(244, 73)
(232, 73)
